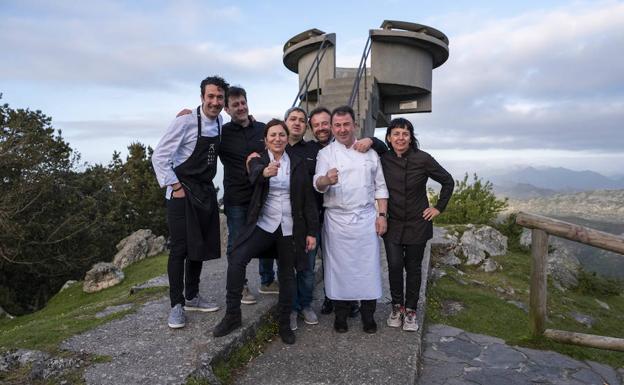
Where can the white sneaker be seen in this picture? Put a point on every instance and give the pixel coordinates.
(395, 319)
(409, 322)
(309, 316)
(248, 298)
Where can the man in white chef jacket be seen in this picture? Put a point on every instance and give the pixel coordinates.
(352, 182)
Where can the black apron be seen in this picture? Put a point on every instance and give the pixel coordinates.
(203, 236)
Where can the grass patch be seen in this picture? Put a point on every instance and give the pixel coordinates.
(488, 312)
(225, 370)
(72, 311)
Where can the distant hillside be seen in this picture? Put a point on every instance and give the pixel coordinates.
(556, 178)
(601, 205)
(522, 191)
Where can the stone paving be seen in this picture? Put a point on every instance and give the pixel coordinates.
(452, 356)
(144, 350)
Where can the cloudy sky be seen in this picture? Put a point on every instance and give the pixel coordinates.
(530, 83)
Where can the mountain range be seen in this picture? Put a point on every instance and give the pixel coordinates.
(555, 179)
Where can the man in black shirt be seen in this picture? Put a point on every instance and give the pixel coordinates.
(241, 136)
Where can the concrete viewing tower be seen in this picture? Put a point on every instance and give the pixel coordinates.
(398, 81)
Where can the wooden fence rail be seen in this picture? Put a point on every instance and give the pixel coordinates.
(541, 227)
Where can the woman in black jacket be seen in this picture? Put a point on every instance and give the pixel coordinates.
(406, 170)
(282, 215)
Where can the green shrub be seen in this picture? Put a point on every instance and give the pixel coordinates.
(513, 231)
(592, 284)
(471, 203)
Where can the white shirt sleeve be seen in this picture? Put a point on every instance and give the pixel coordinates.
(381, 191)
(322, 166)
(163, 157)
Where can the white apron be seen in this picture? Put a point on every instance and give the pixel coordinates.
(351, 260)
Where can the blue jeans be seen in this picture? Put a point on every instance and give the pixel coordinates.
(305, 282)
(236, 218)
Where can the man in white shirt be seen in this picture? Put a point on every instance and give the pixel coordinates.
(352, 182)
(185, 162)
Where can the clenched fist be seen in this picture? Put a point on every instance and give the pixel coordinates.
(332, 176)
(271, 169)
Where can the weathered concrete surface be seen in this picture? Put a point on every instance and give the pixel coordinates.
(322, 356)
(453, 356)
(144, 350)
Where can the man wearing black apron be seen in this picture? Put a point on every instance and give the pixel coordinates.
(185, 161)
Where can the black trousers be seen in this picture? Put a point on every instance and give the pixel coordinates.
(409, 258)
(183, 273)
(255, 245)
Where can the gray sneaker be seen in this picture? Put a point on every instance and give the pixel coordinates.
(248, 298)
(293, 320)
(395, 319)
(177, 319)
(271, 288)
(409, 323)
(309, 316)
(200, 304)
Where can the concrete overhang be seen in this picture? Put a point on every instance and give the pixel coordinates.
(416, 35)
(303, 43)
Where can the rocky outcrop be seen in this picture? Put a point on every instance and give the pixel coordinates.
(101, 276)
(67, 284)
(137, 246)
(562, 265)
(478, 243)
(475, 247)
(41, 365)
(443, 246)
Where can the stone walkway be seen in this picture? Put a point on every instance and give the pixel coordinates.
(453, 356)
(322, 356)
(144, 350)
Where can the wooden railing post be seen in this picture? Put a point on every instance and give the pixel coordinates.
(537, 301)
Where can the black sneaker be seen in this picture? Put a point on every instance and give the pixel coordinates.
(228, 324)
(287, 335)
(340, 325)
(369, 326)
(328, 306)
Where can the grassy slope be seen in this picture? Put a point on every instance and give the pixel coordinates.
(488, 312)
(72, 311)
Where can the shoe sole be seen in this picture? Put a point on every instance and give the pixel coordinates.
(268, 292)
(247, 302)
(202, 309)
(410, 329)
(176, 326)
(315, 322)
(394, 326)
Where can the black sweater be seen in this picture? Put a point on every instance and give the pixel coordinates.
(236, 143)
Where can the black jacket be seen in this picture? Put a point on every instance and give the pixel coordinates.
(303, 205)
(236, 143)
(406, 179)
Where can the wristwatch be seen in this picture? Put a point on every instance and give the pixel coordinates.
(382, 215)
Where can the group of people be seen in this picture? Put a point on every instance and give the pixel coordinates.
(284, 197)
